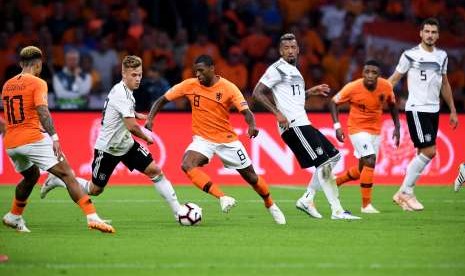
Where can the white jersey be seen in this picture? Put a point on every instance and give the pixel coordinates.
(114, 137)
(424, 78)
(288, 87)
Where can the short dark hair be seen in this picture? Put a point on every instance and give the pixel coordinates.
(372, 62)
(205, 59)
(429, 21)
(287, 37)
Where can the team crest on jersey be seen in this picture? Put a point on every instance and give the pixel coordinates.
(219, 95)
(428, 137)
(102, 176)
(319, 151)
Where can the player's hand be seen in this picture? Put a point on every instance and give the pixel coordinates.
(252, 132)
(319, 90)
(282, 121)
(148, 139)
(340, 135)
(453, 120)
(396, 136)
(57, 150)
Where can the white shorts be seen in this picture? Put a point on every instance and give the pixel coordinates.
(39, 153)
(233, 155)
(365, 144)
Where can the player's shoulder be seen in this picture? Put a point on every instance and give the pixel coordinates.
(227, 83)
(384, 85)
(278, 65)
(120, 92)
(355, 84)
(440, 52)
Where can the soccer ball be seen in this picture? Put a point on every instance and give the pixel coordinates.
(189, 214)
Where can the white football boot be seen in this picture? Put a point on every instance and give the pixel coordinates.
(277, 215)
(227, 203)
(308, 207)
(15, 222)
(50, 183)
(369, 209)
(344, 215)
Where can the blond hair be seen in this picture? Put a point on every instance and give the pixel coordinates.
(131, 62)
(29, 55)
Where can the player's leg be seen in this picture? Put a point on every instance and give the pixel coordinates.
(140, 158)
(198, 154)
(260, 186)
(24, 188)
(63, 171)
(423, 129)
(352, 173)
(460, 178)
(366, 147)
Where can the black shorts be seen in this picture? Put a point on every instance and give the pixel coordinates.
(104, 163)
(309, 145)
(423, 128)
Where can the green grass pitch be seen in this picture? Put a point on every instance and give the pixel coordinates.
(244, 242)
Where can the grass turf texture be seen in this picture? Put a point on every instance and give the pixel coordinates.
(245, 242)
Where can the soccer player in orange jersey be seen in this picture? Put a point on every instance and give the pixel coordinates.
(211, 97)
(26, 109)
(366, 97)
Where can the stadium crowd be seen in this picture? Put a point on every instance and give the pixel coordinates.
(85, 40)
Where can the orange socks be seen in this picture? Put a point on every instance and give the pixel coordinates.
(17, 207)
(351, 174)
(366, 184)
(203, 182)
(262, 189)
(86, 205)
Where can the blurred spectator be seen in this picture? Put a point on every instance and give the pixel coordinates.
(314, 77)
(152, 87)
(333, 19)
(256, 42)
(368, 15)
(336, 62)
(71, 85)
(233, 69)
(106, 62)
(456, 77)
(269, 13)
(200, 47)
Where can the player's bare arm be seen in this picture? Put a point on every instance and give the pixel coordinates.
(395, 118)
(337, 125)
(250, 119)
(2, 126)
(140, 116)
(260, 94)
(395, 78)
(156, 107)
(318, 90)
(446, 93)
(133, 127)
(46, 120)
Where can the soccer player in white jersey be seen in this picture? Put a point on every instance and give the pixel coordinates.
(426, 69)
(283, 80)
(115, 142)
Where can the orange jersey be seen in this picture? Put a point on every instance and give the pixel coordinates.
(210, 107)
(20, 96)
(366, 106)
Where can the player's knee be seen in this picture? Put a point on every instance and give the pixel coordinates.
(95, 190)
(186, 167)
(430, 152)
(152, 170)
(251, 178)
(369, 161)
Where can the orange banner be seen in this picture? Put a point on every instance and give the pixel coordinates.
(271, 157)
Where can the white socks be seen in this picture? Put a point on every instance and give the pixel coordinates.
(328, 184)
(414, 170)
(165, 189)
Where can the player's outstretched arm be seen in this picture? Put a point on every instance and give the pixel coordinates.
(156, 107)
(446, 92)
(46, 120)
(318, 90)
(395, 118)
(260, 94)
(395, 78)
(337, 125)
(250, 119)
(133, 127)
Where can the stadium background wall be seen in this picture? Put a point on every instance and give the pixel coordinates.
(271, 158)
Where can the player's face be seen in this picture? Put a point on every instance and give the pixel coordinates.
(37, 68)
(132, 77)
(289, 50)
(370, 76)
(204, 73)
(429, 35)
